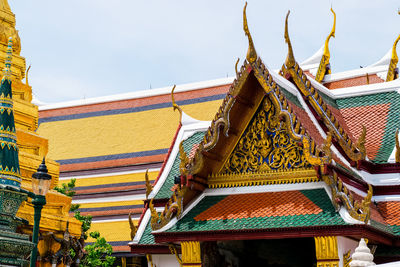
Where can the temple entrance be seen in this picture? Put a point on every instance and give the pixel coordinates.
(299, 252)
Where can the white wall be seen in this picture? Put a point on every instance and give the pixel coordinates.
(164, 260)
(345, 244)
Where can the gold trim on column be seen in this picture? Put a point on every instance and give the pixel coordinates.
(191, 253)
(326, 251)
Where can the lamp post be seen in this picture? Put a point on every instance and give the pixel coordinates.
(40, 185)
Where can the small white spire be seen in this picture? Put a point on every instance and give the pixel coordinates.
(362, 256)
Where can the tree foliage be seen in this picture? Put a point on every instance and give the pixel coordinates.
(98, 253)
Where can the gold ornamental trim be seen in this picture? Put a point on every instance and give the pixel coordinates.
(263, 178)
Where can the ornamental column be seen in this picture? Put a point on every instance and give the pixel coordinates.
(191, 254)
(326, 250)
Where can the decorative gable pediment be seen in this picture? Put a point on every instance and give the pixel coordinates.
(265, 145)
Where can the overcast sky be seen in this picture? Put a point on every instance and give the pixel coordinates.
(86, 48)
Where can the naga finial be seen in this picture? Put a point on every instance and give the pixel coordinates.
(290, 62)
(361, 141)
(174, 105)
(322, 69)
(251, 52)
(393, 63)
(132, 227)
(149, 187)
(236, 68)
(26, 75)
(331, 34)
(7, 67)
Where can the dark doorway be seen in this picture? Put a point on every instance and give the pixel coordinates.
(299, 252)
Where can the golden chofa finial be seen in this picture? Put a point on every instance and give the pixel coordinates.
(393, 63)
(290, 62)
(251, 52)
(322, 69)
(174, 105)
(7, 67)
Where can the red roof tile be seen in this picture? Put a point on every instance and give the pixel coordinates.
(271, 204)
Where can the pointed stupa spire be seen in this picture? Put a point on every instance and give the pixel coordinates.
(362, 256)
(324, 65)
(9, 162)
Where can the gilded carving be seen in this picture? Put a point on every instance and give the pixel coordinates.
(323, 65)
(265, 145)
(191, 253)
(326, 249)
(174, 207)
(263, 178)
(149, 187)
(347, 259)
(361, 141)
(341, 196)
(221, 120)
(174, 251)
(311, 94)
(251, 52)
(391, 75)
(132, 227)
(290, 61)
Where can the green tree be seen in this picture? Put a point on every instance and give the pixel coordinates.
(99, 253)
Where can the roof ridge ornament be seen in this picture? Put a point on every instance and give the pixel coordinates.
(290, 61)
(324, 63)
(174, 105)
(251, 52)
(393, 63)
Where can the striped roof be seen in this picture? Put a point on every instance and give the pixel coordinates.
(106, 147)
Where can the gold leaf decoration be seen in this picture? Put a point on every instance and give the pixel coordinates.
(265, 145)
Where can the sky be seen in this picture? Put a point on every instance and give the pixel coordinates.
(88, 48)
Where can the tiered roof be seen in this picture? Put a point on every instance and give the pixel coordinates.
(269, 132)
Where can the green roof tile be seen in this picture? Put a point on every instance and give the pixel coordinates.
(165, 190)
(392, 123)
(328, 216)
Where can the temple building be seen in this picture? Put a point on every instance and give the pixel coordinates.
(247, 170)
(32, 146)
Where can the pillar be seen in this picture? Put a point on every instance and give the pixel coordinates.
(326, 250)
(191, 254)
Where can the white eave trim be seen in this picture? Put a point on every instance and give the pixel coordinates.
(185, 132)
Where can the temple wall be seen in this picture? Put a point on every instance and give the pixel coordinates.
(164, 260)
(344, 245)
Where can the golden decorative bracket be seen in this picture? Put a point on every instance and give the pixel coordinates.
(174, 251)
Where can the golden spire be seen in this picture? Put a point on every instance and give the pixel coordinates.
(322, 69)
(251, 52)
(7, 67)
(393, 62)
(174, 105)
(290, 62)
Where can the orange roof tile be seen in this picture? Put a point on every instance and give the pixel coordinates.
(271, 204)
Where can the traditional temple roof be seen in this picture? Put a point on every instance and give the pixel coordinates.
(232, 183)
